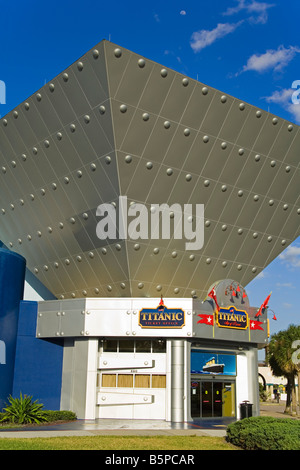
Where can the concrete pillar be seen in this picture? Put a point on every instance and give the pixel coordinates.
(252, 372)
(79, 377)
(177, 381)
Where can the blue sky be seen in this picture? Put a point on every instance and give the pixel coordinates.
(247, 48)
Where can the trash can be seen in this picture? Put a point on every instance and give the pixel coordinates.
(246, 409)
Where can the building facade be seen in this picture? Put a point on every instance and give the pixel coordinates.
(173, 359)
(114, 127)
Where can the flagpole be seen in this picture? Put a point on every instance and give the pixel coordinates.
(249, 329)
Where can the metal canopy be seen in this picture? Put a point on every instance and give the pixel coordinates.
(115, 123)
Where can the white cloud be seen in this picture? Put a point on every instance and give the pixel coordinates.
(287, 305)
(271, 59)
(291, 256)
(285, 284)
(257, 10)
(284, 99)
(178, 58)
(294, 109)
(261, 275)
(204, 38)
(183, 13)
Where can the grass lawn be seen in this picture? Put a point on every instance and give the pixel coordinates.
(117, 442)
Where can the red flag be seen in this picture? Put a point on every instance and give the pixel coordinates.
(238, 289)
(244, 295)
(212, 295)
(274, 316)
(255, 325)
(206, 319)
(233, 293)
(263, 305)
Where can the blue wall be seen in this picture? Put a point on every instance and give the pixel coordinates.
(38, 363)
(12, 275)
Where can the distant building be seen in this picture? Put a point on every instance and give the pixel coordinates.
(270, 382)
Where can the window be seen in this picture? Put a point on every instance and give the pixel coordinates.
(158, 346)
(126, 345)
(109, 380)
(110, 345)
(125, 380)
(142, 381)
(158, 381)
(143, 346)
(130, 346)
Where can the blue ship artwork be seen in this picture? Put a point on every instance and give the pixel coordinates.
(212, 363)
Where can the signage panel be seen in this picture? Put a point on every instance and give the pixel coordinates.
(161, 317)
(232, 317)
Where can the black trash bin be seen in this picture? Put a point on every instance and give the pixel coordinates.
(246, 409)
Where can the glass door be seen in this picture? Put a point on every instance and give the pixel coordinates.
(211, 399)
(217, 399)
(206, 400)
(195, 399)
(228, 399)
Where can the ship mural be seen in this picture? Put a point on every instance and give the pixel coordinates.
(213, 367)
(212, 363)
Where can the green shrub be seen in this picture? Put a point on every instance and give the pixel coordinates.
(57, 415)
(263, 395)
(265, 433)
(23, 410)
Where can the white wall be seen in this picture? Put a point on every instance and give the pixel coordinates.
(132, 403)
(30, 293)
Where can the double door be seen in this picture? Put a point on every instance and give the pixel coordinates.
(210, 399)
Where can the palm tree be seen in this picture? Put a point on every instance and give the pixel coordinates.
(296, 360)
(281, 362)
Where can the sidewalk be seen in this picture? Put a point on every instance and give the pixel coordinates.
(117, 427)
(276, 410)
(206, 427)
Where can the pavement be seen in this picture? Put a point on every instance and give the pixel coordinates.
(205, 427)
(276, 410)
(120, 427)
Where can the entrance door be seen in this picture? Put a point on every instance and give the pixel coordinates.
(228, 397)
(195, 398)
(206, 399)
(211, 399)
(217, 399)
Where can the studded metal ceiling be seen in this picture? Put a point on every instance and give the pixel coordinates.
(115, 123)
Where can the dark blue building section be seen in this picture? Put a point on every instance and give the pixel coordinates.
(12, 276)
(38, 363)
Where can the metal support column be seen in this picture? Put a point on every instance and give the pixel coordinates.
(177, 381)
